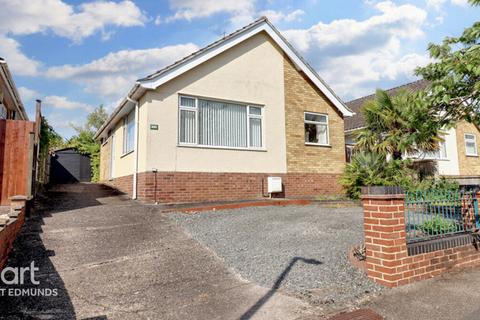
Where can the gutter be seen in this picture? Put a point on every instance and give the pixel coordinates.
(117, 110)
(135, 149)
(6, 75)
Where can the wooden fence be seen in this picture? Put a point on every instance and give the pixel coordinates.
(17, 140)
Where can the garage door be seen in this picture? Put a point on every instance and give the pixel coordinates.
(69, 166)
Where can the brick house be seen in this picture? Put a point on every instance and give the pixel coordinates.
(458, 156)
(216, 124)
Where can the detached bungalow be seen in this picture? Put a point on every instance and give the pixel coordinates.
(458, 156)
(216, 124)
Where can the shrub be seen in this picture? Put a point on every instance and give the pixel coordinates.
(438, 225)
(372, 169)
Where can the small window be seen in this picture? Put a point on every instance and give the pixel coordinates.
(470, 145)
(3, 111)
(128, 132)
(316, 129)
(442, 152)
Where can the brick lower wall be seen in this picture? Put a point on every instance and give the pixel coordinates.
(8, 234)
(175, 187)
(123, 184)
(387, 256)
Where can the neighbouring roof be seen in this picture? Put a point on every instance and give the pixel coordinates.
(8, 79)
(358, 121)
(172, 71)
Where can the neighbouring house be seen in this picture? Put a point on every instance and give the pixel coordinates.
(458, 156)
(18, 140)
(216, 124)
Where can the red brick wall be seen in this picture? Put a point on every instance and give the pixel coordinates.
(387, 260)
(123, 184)
(8, 234)
(205, 186)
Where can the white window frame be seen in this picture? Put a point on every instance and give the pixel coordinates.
(187, 108)
(249, 116)
(470, 140)
(316, 122)
(125, 132)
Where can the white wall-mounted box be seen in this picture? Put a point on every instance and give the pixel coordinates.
(274, 184)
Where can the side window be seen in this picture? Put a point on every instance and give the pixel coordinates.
(316, 128)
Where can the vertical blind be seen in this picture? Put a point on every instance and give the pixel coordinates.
(220, 124)
(129, 132)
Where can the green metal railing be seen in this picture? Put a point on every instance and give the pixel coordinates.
(436, 214)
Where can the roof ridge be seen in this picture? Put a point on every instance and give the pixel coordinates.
(390, 89)
(211, 44)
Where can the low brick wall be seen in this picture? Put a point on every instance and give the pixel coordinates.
(10, 226)
(176, 187)
(387, 257)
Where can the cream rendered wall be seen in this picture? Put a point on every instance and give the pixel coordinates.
(251, 72)
(123, 163)
(449, 166)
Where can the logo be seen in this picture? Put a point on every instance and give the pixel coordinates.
(23, 276)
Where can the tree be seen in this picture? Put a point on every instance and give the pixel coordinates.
(49, 140)
(398, 125)
(84, 140)
(454, 75)
(97, 118)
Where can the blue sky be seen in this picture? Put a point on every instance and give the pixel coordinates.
(75, 55)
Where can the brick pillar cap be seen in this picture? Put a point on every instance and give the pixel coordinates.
(383, 192)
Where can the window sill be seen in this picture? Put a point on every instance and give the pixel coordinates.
(221, 148)
(318, 145)
(126, 154)
(472, 155)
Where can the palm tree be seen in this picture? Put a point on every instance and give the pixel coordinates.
(398, 125)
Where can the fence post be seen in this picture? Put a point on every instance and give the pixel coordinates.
(385, 238)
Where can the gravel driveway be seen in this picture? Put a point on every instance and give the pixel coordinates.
(300, 249)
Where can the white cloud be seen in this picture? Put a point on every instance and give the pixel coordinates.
(112, 75)
(241, 11)
(462, 3)
(27, 94)
(435, 4)
(278, 16)
(75, 23)
(353, 56)
(63, 20)
(158, 20)
(438, 4)
(59, 102)
(17, 61)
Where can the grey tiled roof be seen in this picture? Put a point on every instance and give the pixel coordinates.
(357, 121)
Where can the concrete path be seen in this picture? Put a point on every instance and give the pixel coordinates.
(112, 258)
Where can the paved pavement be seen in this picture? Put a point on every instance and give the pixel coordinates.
(452, 296)
(112, 258)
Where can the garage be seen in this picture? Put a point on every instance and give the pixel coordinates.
(69, 166)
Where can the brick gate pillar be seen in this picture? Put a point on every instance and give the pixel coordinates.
(385, 238)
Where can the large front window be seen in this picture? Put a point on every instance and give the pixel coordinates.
(316, 128)
(206, 122)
